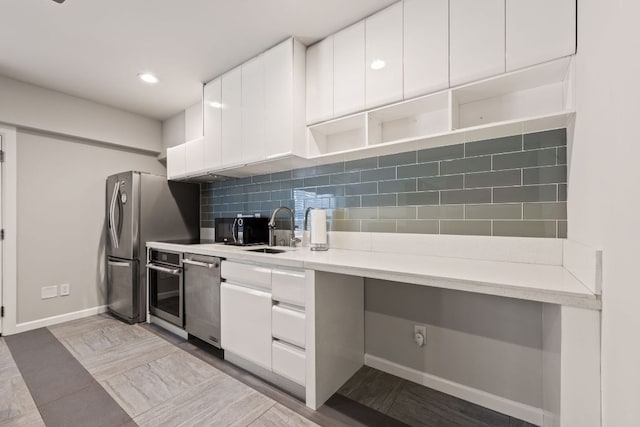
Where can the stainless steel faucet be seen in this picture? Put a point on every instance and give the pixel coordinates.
(272, 227)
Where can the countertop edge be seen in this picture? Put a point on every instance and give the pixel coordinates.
(585, 300)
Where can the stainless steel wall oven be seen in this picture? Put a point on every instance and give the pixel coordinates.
(166, 287)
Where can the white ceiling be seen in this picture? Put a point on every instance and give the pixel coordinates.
(94, 49)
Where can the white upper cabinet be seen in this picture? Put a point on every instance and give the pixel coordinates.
(253, 110)
(212, 107)
(231, 152)
(194, 155)
(284, 99)
(383, 47)
(539, 30)
(477, 39)
(176, 161)
(426, 46)
(348, 70)
(193, 135)
(320, 81)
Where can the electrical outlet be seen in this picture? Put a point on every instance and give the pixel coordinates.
(420, 335)
(48, 292)
(64, 289)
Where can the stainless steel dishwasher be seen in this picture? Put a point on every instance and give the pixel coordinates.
(202, 297)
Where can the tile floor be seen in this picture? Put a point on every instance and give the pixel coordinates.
(99, 371)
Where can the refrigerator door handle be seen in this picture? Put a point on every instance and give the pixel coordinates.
(119, 264)
(112, 215)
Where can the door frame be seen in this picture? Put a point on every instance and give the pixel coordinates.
(10, 224)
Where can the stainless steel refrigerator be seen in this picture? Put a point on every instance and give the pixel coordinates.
(140, 208)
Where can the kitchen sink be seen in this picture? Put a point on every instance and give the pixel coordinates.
(267, 250)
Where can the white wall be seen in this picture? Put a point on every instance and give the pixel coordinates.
(604, 199)
(485, 342)
(28, 106)
(173, 131)
(61, 219)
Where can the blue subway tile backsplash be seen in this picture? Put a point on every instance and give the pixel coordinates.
(511, 186)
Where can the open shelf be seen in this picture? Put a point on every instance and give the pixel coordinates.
(535, 91)
(338, 135)
(529, 100)
(420, 117)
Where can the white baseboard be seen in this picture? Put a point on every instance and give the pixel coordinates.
(61, 318)
(512, 408)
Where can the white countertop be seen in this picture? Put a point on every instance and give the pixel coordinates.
(535, 282)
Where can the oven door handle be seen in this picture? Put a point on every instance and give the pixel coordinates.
(174, 271)
(199, 264)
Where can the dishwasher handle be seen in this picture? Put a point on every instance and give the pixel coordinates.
(200, 264)
(174, 271)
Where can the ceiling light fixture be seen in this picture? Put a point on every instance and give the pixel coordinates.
(215, 104)
(148, 78)
(378, 64)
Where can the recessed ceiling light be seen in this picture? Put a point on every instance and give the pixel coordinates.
(148, 78)
(378, 64)
(215, 104)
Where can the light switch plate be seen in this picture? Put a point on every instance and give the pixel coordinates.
(49, 292)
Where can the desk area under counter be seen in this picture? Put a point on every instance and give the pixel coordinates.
(333, 346)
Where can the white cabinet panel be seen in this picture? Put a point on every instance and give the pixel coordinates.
(289, 362)
(194, 155)
(232, 117)
(477, 39)
(246, 274)
(426, 46)
(212, 106)
(348, 70)
(288, 325)
(383, 47)
(245, 319)
(278, 71)
(539, 30)
(176, 161)
(320, 81)
(193, 122)
(288, 286)
(253, 110)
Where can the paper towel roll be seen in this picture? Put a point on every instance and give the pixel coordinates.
(318, 227)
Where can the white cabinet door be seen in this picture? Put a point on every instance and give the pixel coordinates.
(253, 110)
(245, 319)
(320, 81)
(348, 70)
(232, 117)
(212, 106)
(194, 155)
(383, 47)
(278, 72)
(539, 30)
(176, 161)
(477, 45)
(426, 46)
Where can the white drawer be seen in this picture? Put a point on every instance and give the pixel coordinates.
(289, 362)
(246, 274)
(288, 325)
(288, 286)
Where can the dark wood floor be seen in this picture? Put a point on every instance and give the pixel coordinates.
(417, 405)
